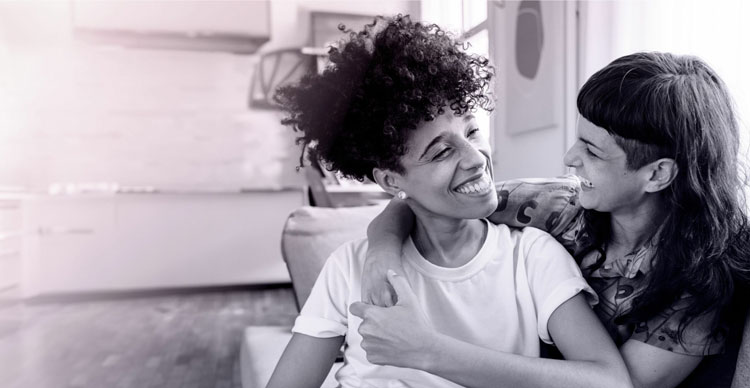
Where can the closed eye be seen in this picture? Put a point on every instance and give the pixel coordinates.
(442, 153)
(472, 132)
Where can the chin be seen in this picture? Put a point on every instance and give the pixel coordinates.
(592, 205)
(586, 202)
(485, 210)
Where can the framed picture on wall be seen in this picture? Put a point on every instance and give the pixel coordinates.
(536, 70)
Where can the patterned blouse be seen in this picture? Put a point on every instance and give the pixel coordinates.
(552, 205)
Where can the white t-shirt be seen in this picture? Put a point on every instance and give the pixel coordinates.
(501, 299)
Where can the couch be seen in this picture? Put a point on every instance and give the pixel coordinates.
(308, 238)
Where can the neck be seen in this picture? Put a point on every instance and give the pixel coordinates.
(633, 227)
(448, 242)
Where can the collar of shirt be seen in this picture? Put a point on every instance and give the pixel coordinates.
(627, 266)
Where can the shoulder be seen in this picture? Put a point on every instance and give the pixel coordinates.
(531, 237)
(349, 256)
(522, 232)
(533, 233)
(542, 253)
(532, 244)
(351, 248)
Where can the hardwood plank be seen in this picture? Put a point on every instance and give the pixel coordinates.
(181, 340)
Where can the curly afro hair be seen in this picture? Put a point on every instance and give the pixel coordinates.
(382, 82)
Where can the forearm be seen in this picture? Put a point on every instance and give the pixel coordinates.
(390, 228)
(474, 366)
(548, 204)
(305, 362)
(385, 235)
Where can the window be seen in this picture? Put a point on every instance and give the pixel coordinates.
(468, 20)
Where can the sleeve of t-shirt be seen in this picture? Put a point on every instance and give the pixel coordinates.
(554, 277)
(324, 314)
(549, 204)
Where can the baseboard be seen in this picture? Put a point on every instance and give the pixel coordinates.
(87, 296)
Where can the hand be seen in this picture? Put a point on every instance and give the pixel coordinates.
(375, 287)
(401, 335)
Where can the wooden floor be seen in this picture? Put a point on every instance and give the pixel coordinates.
(182, 340)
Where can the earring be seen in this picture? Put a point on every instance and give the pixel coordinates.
(402, 195)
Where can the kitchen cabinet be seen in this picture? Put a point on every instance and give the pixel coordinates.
(219, 25)
(124, 242)
(10, 244)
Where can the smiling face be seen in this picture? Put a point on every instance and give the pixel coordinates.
(608, 185)
(448, 169)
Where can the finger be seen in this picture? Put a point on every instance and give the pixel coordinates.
(404, 293)
(377, 299)
(389, 297)
(359, 309)
(368, 293)
(382, 298)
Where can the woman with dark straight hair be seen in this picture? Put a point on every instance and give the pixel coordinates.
(655, 217)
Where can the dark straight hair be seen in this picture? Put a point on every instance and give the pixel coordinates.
(660, 105)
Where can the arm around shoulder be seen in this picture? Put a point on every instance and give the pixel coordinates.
(550, 204)
(385, 236)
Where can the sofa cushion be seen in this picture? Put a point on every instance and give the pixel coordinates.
(311, 234)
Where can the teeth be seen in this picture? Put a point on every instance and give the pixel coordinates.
(585, 182)
(478, 186)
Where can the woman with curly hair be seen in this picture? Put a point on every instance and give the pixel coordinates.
(655, 218)
(396, 107)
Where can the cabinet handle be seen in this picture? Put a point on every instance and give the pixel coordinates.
(9, 235)
(49, 230)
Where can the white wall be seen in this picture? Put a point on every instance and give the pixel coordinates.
(546, 106)
(716, 31)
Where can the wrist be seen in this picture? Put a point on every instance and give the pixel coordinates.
(374, 251)
(383, 255)
(431, 353)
